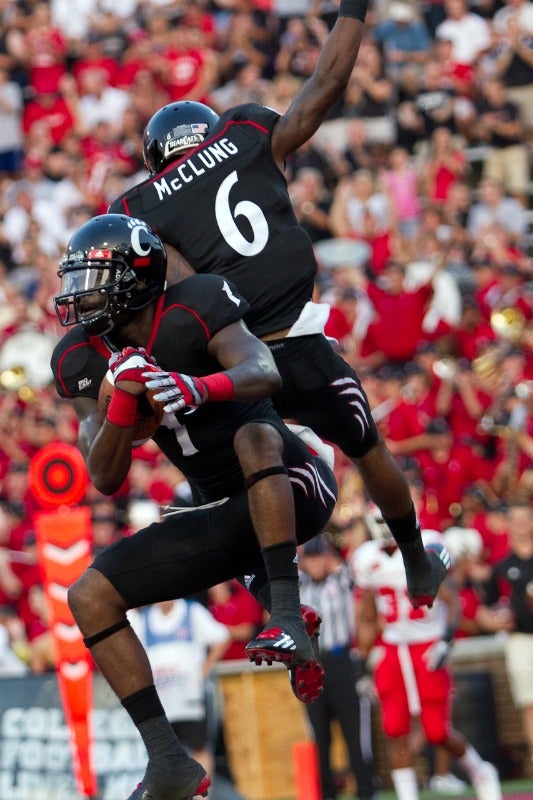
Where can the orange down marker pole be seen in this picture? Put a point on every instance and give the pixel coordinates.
(306, 771)
(58, 479)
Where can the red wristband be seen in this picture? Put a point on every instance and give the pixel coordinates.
(122, 408)
(219, 386)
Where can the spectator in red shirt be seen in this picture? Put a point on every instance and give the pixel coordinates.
(44, 49)
(196, 17)
(232, 604)
(341, 323)
(50, 113)
(473, 331)
(137, 58)
(445, 470)
(398, 420)
(419, 391)
(186, 68)
(397, 329)
(94, 58)
(486, 283)
(462, 401)
(493, 526)
(445, 165)
(470, 571)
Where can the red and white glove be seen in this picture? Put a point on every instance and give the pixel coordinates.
(178, 391)
(131, 364)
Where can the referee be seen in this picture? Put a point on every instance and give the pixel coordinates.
(326, 585)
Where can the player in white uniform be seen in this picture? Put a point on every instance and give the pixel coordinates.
(411, 676)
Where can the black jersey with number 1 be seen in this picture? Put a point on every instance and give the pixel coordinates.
(199, 443)
(226, 207)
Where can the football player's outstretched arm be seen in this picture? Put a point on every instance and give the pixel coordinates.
(330, 78)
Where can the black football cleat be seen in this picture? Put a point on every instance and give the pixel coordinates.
(424, 584)
(312, 622)
(306, 674)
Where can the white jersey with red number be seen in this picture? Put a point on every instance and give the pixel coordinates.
(383, 573)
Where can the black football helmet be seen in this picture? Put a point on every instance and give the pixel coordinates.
(114, 265)
(173, 129)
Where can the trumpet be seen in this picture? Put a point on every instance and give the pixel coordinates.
(15, 379)
(508, 324)
(445, 368)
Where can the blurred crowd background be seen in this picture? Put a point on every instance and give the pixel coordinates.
(416, 192)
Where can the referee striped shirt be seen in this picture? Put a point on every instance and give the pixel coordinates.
(333, 599)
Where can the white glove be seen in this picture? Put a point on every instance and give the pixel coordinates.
(366, 689)
(437, 655)
(177, 390)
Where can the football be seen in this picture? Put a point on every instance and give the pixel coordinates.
(149, 414)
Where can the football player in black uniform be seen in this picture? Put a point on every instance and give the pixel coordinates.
(255, 479)
(217, 194)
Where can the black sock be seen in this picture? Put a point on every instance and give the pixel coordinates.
(406, 532)
(282, 569)
(170, 768)
(280, 560)
(148, 715)
(143, 705)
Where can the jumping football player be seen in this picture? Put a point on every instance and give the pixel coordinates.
(259, 487)
(217, 193)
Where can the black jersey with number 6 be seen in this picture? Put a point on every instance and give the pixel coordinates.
(199, 443)
(226, 207)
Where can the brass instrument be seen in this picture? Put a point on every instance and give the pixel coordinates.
(25, 363)
(15, 379)
(445, 368)
(508, 325)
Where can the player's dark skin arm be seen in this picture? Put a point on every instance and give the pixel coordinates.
(307, 110)
(330, 78)
(107, 447)
(178, 267)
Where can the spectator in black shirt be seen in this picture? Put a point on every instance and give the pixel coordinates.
(514, 66)
(516, 570)
(499, 125)
(435, 103)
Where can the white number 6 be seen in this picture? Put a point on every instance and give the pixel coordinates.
(226, 220)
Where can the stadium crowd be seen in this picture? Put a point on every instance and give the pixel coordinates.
(416, 193)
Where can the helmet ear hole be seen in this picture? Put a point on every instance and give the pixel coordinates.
(175, 128)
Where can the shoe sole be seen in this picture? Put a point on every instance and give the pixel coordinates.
(307, 678)
(201, 791)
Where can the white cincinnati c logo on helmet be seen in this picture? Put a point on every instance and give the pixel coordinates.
(137, 225)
